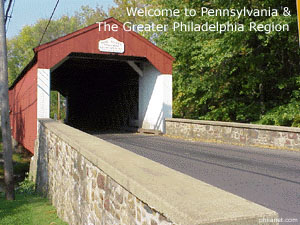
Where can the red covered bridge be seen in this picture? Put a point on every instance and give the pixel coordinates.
(109, 78)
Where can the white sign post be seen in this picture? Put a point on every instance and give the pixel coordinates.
(111, 45)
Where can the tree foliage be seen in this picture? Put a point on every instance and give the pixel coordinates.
(235, 76)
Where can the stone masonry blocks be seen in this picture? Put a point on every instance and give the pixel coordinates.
(83, 194)
(244, 134)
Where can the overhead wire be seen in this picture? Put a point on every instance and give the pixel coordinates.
(49, 22)
(10, 16)
(7, 10)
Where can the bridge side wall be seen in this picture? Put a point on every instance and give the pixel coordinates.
(235, 133)
(91, 181)
(23, 109)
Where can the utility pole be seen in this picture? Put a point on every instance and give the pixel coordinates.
(5, 122)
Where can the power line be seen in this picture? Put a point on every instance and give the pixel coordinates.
(49, 21)
(12, 10)
(7, 10)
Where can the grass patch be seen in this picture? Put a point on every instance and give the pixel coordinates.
(28, 210)
(21, 160)
(21, 165)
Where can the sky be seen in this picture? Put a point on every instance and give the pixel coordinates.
(27, 12)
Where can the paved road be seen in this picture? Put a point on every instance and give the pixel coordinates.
(268, 177)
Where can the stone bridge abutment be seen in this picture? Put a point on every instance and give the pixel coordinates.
(91, 181)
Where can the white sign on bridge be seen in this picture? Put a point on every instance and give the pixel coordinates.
(111, 45)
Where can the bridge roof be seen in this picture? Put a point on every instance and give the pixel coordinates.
(86, 40)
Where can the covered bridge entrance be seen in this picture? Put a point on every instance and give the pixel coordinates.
(110, 79)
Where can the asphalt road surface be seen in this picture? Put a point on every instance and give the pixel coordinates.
(268, 177)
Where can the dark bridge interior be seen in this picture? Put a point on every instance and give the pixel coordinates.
(101, 90)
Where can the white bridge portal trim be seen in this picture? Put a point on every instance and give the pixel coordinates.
(43, 93)
(155, 98)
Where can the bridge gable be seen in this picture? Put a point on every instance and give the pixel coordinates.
(86, 40)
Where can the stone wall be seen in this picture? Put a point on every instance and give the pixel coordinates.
(91, 181)
(235, 133)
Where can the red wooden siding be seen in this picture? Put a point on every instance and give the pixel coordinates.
(23, 109)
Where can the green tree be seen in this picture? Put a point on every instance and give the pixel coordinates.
(234, 76)
(120, 12)
(88, 15)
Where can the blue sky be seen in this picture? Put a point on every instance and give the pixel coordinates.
(27, 12)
